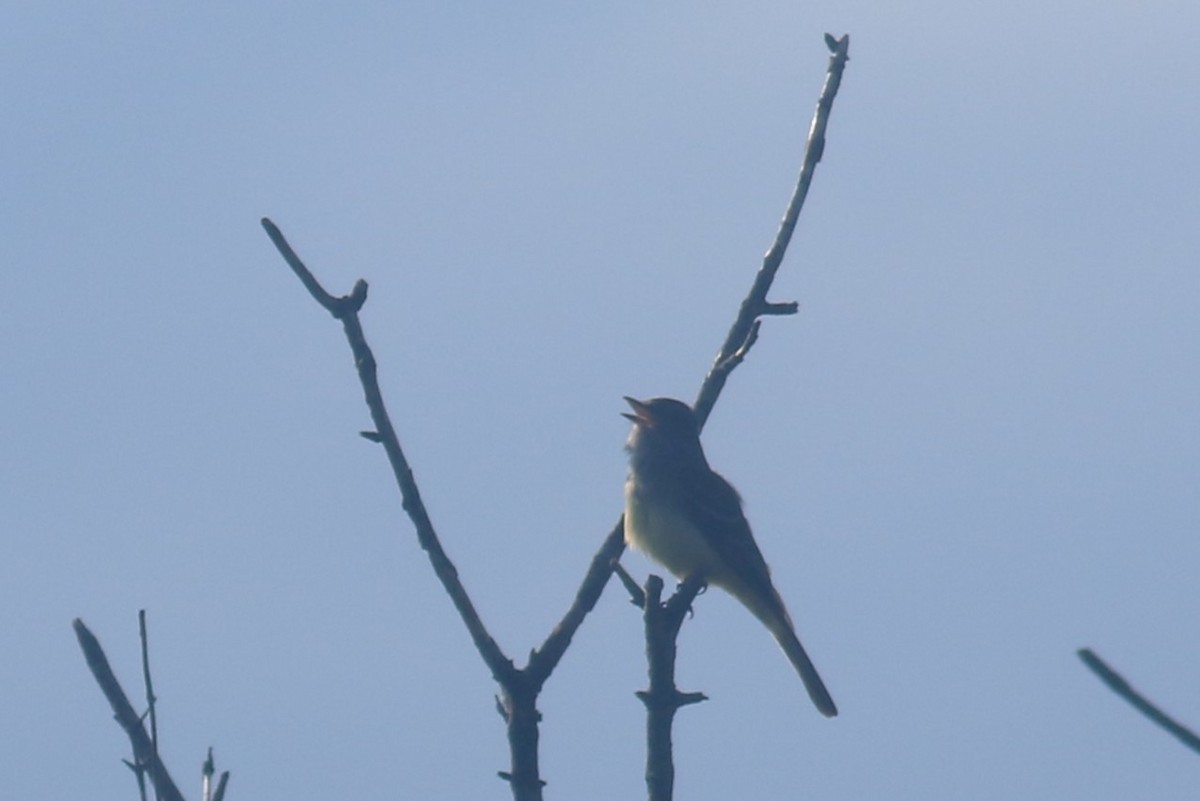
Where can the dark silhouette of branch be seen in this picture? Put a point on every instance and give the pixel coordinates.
(149, 685)
(1121, 687)
(144, 755)
(663, 698)
(209, 793)
(520, 687)
(744, 330)
(637, 596)
(663, 620)
(346, 310)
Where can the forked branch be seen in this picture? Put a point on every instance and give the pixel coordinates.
(520, 687)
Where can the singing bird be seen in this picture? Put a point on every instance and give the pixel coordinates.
(684, 515)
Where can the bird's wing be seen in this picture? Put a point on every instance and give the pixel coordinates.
(717, 513)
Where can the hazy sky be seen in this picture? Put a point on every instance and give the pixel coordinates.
(975, 450)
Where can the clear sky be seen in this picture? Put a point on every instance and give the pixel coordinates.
(975, 450)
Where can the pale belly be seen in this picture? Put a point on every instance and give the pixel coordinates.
(668, 538)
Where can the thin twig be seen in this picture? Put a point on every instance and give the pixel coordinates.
(1117, 684)
(127, 717)
(139, 772)
(149, 685)
(755, 304)
(637, 596)
(206, 773)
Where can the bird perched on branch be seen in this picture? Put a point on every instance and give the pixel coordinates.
(684, 515)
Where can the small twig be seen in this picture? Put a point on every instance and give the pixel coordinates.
(149, 685)
(637, 596)
(739, 355)
(755, 303)
(333, 304)
(206, 772)
(127, 717)
(1121, 687)
(781, 309)
(139, 772)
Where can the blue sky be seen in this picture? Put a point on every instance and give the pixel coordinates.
(974, 450)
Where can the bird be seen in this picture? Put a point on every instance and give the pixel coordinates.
(684, 515)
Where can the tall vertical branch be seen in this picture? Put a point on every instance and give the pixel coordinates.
(662, 630)
(148, 683)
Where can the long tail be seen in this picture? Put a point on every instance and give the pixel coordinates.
(785, 635)
(763, 601)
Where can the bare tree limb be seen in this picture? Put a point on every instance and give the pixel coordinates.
(663, 699)
(346, 310)
(755, 304)
(127, 717)
(1118, 685)
(519, 688)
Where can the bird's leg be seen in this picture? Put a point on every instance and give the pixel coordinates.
(690, 587)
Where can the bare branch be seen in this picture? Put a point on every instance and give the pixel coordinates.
(346, 309)
(147, 682)
(336, 306)
(1117, 684)
(755, 303)
(519, 688)
(663, 698)
(127, 717)
(663, 620)
(543, 661)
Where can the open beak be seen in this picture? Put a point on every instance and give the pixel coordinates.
(641, 412)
